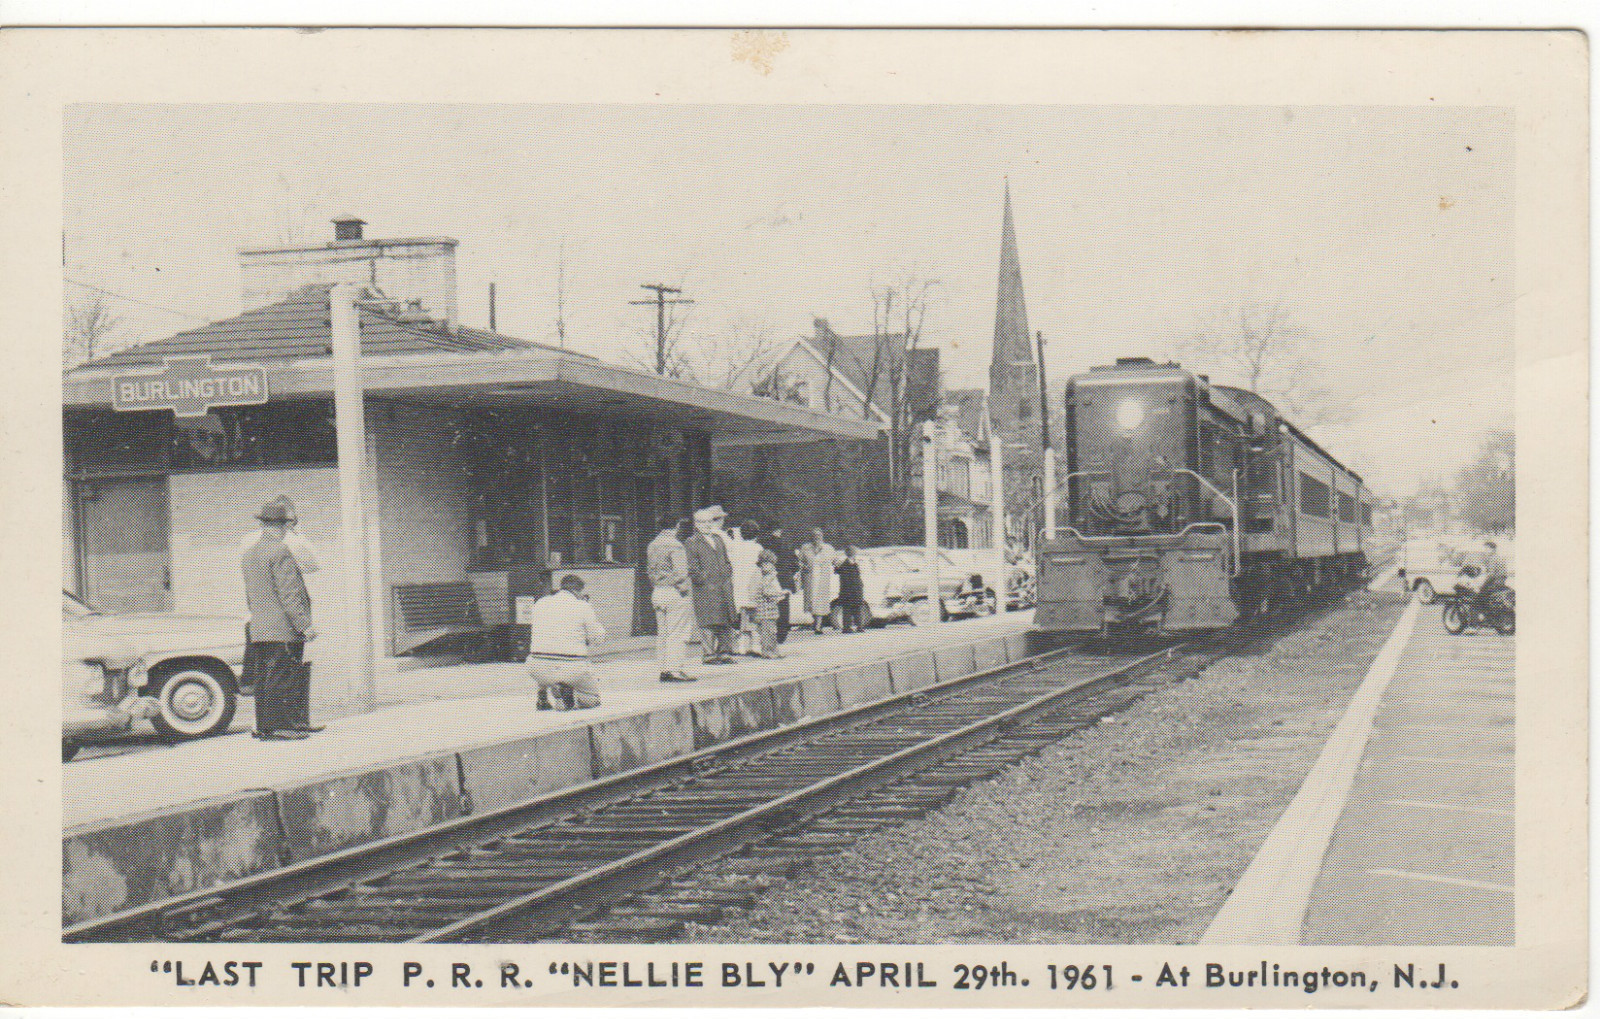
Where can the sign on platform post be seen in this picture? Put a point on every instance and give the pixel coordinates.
(189, 387)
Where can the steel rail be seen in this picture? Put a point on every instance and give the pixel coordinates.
(551, 905)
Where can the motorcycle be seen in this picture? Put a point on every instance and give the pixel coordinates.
(1462, 611)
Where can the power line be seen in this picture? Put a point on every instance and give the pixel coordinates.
(133, 300)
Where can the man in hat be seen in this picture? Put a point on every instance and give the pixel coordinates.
(711, 586)
(280, 625)
(306, 556)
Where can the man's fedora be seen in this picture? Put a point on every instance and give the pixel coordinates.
(274, 512)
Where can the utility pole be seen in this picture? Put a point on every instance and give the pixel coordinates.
(561, 297)
(1044, 396)
(492, 329)
(661, 302)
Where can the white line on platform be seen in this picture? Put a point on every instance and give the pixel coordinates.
(1425, 805)
(1268, 906)
(1458, 761)
(1439, 879)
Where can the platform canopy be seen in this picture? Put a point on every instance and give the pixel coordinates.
(409, 357)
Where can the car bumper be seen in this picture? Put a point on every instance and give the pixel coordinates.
(82, 721)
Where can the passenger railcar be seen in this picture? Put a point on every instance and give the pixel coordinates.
(1187, 505)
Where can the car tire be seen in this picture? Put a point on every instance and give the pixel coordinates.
(195, 701)
(1425, 592)
(1455, 618)
(69, 750)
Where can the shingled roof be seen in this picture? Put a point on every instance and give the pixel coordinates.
(298, 327)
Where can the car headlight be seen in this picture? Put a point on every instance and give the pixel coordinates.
(92, 679)
(1130, 414)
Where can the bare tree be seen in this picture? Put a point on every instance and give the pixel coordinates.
(1268, 352)
(899, 312)
(88, 326)
(737, 358)
(1486, 489)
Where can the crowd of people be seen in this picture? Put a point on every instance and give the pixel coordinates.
(735, 581)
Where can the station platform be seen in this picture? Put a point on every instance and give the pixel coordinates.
(1403, 832)
(450, 742)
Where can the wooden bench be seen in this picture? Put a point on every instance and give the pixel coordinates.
(426, 613)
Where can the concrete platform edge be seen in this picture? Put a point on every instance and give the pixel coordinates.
(122, 864)
(1268, 905)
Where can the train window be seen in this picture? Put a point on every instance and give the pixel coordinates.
(1315, 496)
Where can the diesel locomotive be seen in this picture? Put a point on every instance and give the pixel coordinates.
(1186, 506)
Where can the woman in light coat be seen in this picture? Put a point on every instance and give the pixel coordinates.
(817, 560)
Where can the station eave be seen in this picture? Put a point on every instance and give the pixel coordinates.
(541, 379)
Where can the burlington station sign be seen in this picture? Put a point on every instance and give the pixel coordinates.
(189, 387)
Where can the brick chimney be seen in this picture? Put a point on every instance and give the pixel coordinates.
(410, 270)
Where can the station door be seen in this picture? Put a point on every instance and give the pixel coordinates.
(126, 560)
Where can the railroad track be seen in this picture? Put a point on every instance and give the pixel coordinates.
(619, 861)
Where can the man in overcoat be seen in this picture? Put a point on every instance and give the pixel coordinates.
(711, 586)
(280, 625)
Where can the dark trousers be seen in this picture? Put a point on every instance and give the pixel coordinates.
(282, 685)
(854, 613)
(783, 618)
(716, 642)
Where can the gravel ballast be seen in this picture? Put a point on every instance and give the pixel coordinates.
(1131, 832)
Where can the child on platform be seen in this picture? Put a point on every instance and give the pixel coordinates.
(769, 595)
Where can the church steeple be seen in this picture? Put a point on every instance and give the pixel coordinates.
(1013, 377)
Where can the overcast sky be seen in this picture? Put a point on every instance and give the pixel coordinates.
(1386, 232)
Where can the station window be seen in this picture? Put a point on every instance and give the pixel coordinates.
(108, 442)
(294, 434)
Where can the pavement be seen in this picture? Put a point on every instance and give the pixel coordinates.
(1403, 832)
(458, 740)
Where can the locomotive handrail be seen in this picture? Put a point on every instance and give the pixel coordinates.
(1233, 507)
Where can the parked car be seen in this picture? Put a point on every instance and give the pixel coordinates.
(178, 670)
(962, 588)
(99, 671)
(884, 584)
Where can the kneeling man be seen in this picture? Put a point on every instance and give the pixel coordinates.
(562, 630)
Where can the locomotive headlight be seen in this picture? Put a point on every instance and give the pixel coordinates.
(1130, 414)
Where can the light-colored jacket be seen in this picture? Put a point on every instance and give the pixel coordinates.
(743, 555)
(563, 625)
(302, 550)
(280, 606)
(667, 562)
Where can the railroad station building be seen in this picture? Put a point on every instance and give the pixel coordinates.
(491, 461)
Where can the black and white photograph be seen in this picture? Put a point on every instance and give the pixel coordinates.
(803, 537)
